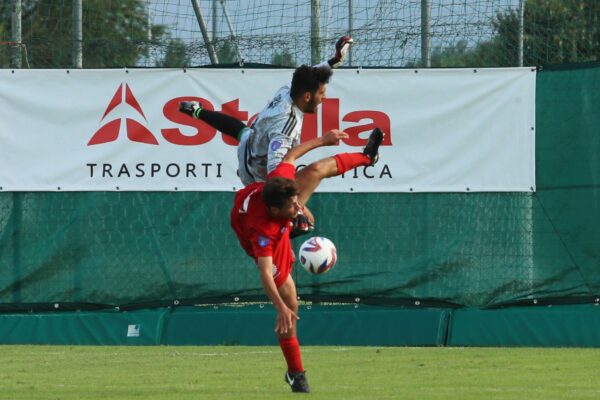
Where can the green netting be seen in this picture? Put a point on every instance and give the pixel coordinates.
(568, 173)
(166, 33)
(474, 249)
(117, 248)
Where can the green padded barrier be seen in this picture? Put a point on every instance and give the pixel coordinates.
(318, 325)
(574, 326)
(220, 325)
(556, 326)
(142, 327)
(374, 326)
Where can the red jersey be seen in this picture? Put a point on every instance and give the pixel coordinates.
(260, 234)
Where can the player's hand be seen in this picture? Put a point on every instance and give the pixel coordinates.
(190, 108)
(333, 137)
(341, 50)
(301, 225)
(284, 322)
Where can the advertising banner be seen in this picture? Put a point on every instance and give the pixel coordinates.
(454, 130)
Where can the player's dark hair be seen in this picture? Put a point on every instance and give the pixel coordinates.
(308, 79)
(278, 190)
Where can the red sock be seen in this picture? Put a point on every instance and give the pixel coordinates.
(291, 351)
(347, 161)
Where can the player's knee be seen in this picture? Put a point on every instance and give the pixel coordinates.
(317, 169)
(292, 303)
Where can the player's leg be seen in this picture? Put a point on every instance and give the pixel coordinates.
(287, 291)
(224, 123)
(288, 342)
(311, 176)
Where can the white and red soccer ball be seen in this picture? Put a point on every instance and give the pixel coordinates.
(317, 255)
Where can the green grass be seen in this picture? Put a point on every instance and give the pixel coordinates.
(236, 372)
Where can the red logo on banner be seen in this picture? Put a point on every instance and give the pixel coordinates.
(136, 132)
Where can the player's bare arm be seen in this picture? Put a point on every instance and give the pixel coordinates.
(285, 316)
(330, 138)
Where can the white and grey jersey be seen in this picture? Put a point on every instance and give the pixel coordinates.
(276, 130)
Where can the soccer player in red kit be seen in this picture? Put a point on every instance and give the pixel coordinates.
(261, 218)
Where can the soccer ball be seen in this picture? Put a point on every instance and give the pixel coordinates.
(317, 255)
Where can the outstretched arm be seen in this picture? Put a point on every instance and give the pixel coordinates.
(285, 315)
(330, 138)
(342, 47)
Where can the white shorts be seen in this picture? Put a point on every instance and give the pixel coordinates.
(249, 169)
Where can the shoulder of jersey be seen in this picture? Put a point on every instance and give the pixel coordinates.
(280, 104)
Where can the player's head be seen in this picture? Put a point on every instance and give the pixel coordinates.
(281, 197)
(308, 87)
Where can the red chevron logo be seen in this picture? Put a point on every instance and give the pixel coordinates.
(136, 132)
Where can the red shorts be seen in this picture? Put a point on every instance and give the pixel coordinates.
(280, 275)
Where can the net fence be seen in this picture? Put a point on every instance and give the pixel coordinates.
(388, 33)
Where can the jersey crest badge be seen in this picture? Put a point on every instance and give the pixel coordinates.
(275, 145)
(263, 241)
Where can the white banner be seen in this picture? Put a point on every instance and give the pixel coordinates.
(447, 130)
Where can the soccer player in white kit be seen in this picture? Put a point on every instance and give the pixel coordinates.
(277, 127)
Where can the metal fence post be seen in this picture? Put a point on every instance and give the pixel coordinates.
(425, 24)
(16, 56)
(315, 20)
(77, 54)
(521, 30)
(209, 46)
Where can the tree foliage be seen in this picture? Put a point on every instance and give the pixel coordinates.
(283, 58)
(4, 50)
(558, 31)
(555, 31)
(115, 32)
(176, 55)
(226, 52)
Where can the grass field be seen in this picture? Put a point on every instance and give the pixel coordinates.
(235, 372)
